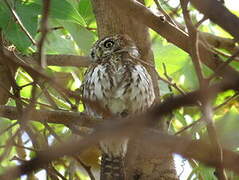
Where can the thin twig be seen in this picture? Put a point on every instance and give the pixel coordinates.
(169, 80)
(127, 124)
(11, 95)
(35, 73)
(8, 145)
(53, 28)
(155, 139)
(200, 22)
(25, 85)
(207, 112)
(166, 74)
(214, 109)
(205, 103)
(193, 42)
(171, 84)
(44, 31)
(48, 96)
(87, 168)
(188, 126)
(227, 101)
(236, 59)
(55, 172)
(223, 65)
(23, 147)
(9, 127)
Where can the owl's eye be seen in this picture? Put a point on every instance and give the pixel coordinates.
(109, 43)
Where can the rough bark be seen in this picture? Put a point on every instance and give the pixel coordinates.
(5, 75)
(110, 20)
(5, 84)
(219, 15)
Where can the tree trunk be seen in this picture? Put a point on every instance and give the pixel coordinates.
(139, 165)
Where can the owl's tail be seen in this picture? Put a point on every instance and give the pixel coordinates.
(112, 168)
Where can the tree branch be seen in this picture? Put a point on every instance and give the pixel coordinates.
(156, 141)
(57, 116)
(219, 15)
(44, 31)
(132, 127)
(170, 32)
(53, 60)
(227, 44)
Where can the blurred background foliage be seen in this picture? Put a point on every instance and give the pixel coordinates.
(73, 30)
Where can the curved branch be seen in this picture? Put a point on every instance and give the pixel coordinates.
(171, 33)
(133, 127)
(54, 60)
(156, 141)
(219, 14)
(57, 116)
(219, 42)
(68, 60)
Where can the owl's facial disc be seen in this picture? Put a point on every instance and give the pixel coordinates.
(102, 48)
(113, 45)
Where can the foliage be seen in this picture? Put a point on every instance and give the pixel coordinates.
(72, 31)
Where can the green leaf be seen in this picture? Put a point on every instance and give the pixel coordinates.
(17, 37)
(221, 98)
(58, 43)
(4, 15)
(83, 37)
(186, 75)
(164, 88)
(86, 11)
(61, 9)
(149, 2)
(37, 125)
(227, 129)
(180, 117)
(235, 64)
(4, 123)
(23, 79)
(27, 13)
(32, 154)
(173, 57)
(178, 63)
(204, 172)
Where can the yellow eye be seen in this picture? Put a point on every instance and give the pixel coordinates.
(108, 44)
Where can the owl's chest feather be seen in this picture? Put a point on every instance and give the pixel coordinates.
(119, 87)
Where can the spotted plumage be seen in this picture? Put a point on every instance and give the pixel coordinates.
(122, 86)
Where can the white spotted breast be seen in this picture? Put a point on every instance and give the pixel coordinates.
(122, 86)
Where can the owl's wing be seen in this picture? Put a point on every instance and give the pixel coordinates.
(96, 86)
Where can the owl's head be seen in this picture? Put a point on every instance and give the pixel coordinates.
(111, 45)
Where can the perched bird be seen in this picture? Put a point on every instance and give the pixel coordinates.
(122, 85)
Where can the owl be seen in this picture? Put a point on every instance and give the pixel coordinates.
(120, 84)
